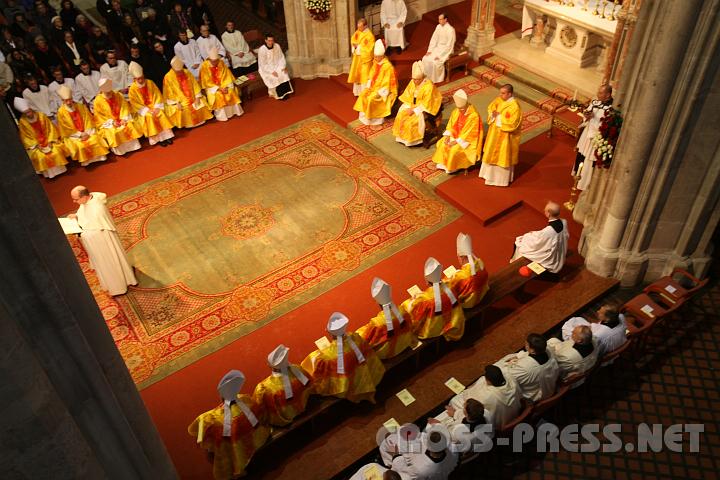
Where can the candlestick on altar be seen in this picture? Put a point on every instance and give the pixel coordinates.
(596, 11)
(612, 11)
(603, 10)
(570, 204)
(575, 95)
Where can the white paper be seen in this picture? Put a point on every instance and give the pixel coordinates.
(648, 310)
(670, 289)
(70, 226)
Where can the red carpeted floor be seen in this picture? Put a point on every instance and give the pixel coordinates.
(173, 402)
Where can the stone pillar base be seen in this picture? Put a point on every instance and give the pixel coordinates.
(479, 42)
(308, 68)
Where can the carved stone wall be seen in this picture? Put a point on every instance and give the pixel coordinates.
(658, 205)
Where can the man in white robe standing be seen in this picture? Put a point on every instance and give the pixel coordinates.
(39, 98)
(392, 17)
(273, 69)
(609, 332)
(578, 354)
(548, 246)
(188, 51)
(117, 71)
(86, 83)
(238, 51)
(207, 41)
(101, 241)
(441, 47)
(534, 369)
(585, 147)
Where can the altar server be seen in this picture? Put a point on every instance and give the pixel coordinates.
(548, 246)
(186, 106)
(117, 71)
(502, 146)
(439, 50)
(419, 99)
(459, 146)
(273, 69)
(86, 83)
(390, 331)
(242, 59)
(361, 45)
(219, 84)
(102, 242)
(38, 97)
(207, 41)
(77, 127)
(436, 311)
(59, 80)
(146, 99)
(578, 354)
(593, 116)
(347, 368)
(534, 369)
(470, 283)
(233, 431)
(114, 120)
(375, 103)
(285, 392)
(392, 19)
(41, 140)
(188, 51)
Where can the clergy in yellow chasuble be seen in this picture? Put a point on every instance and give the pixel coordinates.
(375, 103)
(77, 127)
(502, 146)
(420, 97)
(459, 147)
(362, 43)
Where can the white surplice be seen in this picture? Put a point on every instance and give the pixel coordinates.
(102, 244)
(54, 97)
(189, 53)
(569, 359)
(234, 44)
(41, 101)
(272, 61)
(420, 466)
(393, 12)
(441, 46)
(535, 381)
(503, 402)
(546, 247)
(205, 44)
(87, 86)
(119, 74)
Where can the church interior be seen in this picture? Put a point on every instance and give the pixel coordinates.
(304, 286)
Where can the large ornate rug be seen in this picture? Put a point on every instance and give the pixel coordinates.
(419, 160)
(227, 245)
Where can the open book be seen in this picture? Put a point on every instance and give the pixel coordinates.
(69, 225)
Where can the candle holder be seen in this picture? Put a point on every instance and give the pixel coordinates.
(602, 15)
(584, 5)
(596, 12)
(570, 204)
(612, 11)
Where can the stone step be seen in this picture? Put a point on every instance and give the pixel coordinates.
(522, 90)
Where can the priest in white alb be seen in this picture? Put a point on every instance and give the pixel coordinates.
(188, 51)
(548, 246)
(593, 115)
(86, 83)
(273, 69)
(441, 47)
(101, 241)
(39, 98)
(392, 17)
(238, 51)
(207, 41)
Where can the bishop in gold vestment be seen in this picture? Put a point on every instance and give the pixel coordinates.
(41, 140)
(502, 146)
(114, 120)
(470, 283)
(77, 127)
(420, 97)
(185, 103)
(459, 147)
(219, 84)
(375, 103)
(148, 102)
(362, 44)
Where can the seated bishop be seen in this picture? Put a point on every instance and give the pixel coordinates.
(459, 147)
(219, 84)
(390, 331)
(77, 127)
(185, 103)
(233, 431)
(470, 283)
(284, 394)
(114, 120)
(421, 101)
(436, 311)
(41, 140)
(148, 102)
(376, 101)
(347, 368)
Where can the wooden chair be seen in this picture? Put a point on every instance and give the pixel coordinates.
(677, 287)
(638, 329)
(507, 429)
(433, 128)
(577, 379)
(610, 357)
(460, 58)
(544, 405)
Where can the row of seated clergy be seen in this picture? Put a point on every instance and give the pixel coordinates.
(413, 454)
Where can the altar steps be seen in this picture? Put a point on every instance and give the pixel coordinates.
(529, 86)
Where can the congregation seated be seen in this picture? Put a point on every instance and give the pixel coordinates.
(436, 462)
(233, 431)
(284, 394)
(389, 332)
(471, 282)
(534, 369)
(460, 145)
(436, 311)
(500, 395)
(346, 368)
(548, 246)
(421, 104)
(578, 354)
(609, 332)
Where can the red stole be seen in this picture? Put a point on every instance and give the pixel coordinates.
(215, 72)
(145, 92)
(39, 132)
(114, 106)
(185, 86)
(378, 67)
(77, 120)
(459, 124)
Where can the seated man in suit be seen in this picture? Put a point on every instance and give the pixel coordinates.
(534, 369)
(609, 331)
(577, 354)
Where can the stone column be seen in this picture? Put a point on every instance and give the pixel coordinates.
(319, 49)
(659, 207)
(69, 408)
(626, 20)
(481, 31)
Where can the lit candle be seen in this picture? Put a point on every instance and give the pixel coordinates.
(575, 94)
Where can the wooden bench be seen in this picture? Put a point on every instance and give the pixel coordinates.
(458, 59)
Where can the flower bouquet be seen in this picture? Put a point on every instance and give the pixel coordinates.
(607, 137)
(319, 9)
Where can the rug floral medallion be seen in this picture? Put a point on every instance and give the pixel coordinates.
(229, 244)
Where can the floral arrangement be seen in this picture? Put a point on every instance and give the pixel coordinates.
(319, 9)
(607, 137)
